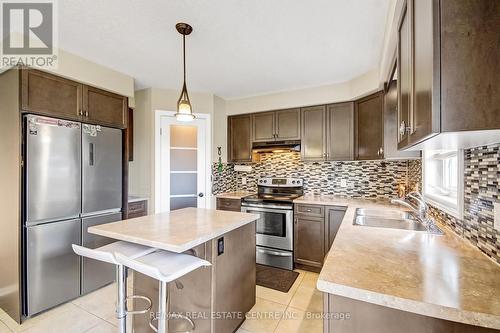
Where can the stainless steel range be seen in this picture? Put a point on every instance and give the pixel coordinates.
(274, 204)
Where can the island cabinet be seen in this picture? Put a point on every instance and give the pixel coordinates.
(50, 95)
(239, 134)
(276, 126)
(369, 127)
(315, 227)
(447, 69)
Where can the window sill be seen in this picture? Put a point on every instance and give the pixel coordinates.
(444, 205)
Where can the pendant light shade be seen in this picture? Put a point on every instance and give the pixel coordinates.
(184, 108)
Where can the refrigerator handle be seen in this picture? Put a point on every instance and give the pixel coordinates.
(91, 154)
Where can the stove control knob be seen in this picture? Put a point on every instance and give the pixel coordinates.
(265, 180)
(293, 181)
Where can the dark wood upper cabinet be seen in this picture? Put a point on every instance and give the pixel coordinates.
(276, 125)
(54, 96)
(287, 124)
(263, 127)
(340, 131)
(240, 138)
(313, 143)
(129, 133)
(50, 95)
(369, 117)
(448, 68)
(404, 77)
(104, 107)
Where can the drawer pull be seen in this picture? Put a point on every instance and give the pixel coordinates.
(308, 210)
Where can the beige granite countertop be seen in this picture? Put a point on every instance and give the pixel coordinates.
(234, 195)
(175, 231)
(438, 276)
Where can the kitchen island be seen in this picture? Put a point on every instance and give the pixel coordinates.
(393, 280)
(216, 297)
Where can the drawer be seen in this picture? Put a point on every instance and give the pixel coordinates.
(310, 210)
(137, 209)
(229, 204)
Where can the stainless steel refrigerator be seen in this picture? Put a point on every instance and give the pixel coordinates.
(72, 180)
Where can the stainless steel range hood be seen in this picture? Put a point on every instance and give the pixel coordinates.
(276, 146)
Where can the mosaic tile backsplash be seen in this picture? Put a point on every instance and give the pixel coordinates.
(367, 179)
(380, 179)
(481, 191)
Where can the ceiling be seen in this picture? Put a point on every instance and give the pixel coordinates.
(238, 47)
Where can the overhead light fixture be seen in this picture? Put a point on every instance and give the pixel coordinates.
(184, 108)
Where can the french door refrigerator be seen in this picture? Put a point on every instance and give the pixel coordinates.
(72, 180)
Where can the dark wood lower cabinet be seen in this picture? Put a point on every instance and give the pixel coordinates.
(315, 227)
(228, 204)
(137, 209)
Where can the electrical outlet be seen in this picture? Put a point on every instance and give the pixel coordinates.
(244, 180)
(496, 216)
(343, 183)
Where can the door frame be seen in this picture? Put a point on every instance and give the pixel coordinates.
(157, 162)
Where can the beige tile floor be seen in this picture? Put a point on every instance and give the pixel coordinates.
(274, 312)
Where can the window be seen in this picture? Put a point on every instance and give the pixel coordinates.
(443, 180)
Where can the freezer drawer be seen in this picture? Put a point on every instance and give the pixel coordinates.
(53, 164)
(96, 274)
(53, 269)
(102, 169)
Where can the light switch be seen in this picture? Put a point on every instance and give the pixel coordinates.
(496, 216)
(244, 180)
(343, 183)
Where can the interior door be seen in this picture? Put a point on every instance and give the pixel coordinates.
(183, 164)
(102, 169)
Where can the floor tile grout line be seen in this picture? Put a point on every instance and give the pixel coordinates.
(93, 314)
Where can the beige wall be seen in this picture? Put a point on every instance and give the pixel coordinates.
(142, 169)
(341, 92)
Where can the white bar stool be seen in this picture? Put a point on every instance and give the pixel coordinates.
(165, 267)
(106, 253)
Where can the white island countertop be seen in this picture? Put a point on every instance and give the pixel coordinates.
(175, 231)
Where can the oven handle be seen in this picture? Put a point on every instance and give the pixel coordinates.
(245, 209)
(275, 253)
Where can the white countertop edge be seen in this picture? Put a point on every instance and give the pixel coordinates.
(136, 199)
(408, 305)
(176, 248)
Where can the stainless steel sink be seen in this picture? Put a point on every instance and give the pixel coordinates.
(380, 222)
(386, 213)
(392, 218)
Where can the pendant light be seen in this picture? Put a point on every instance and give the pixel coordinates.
(184, 109)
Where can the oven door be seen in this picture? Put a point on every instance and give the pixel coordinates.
(274, 227)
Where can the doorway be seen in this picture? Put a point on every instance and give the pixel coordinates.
(182, 162)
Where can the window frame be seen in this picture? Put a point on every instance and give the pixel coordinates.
(442, 202)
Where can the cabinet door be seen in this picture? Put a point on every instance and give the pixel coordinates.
(50, 95)
(240, 138)
(333, 220)
(263, 127)
(470, 66)
(105, 108)
(340, 131)
(313, 125)
(425, 116)
(229, 204)
(288, 124)
(309, 246)
(404, 78)
(370, 127)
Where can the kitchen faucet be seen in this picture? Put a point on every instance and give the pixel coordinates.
(421, 210)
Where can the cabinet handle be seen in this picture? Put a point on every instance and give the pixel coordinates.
(80, 113)
(403, 129)
(86, 113)
(308, 210)
(324, 155)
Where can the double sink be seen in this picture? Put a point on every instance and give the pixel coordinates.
(389, 218)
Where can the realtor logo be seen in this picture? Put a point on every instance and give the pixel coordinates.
(28, 33)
